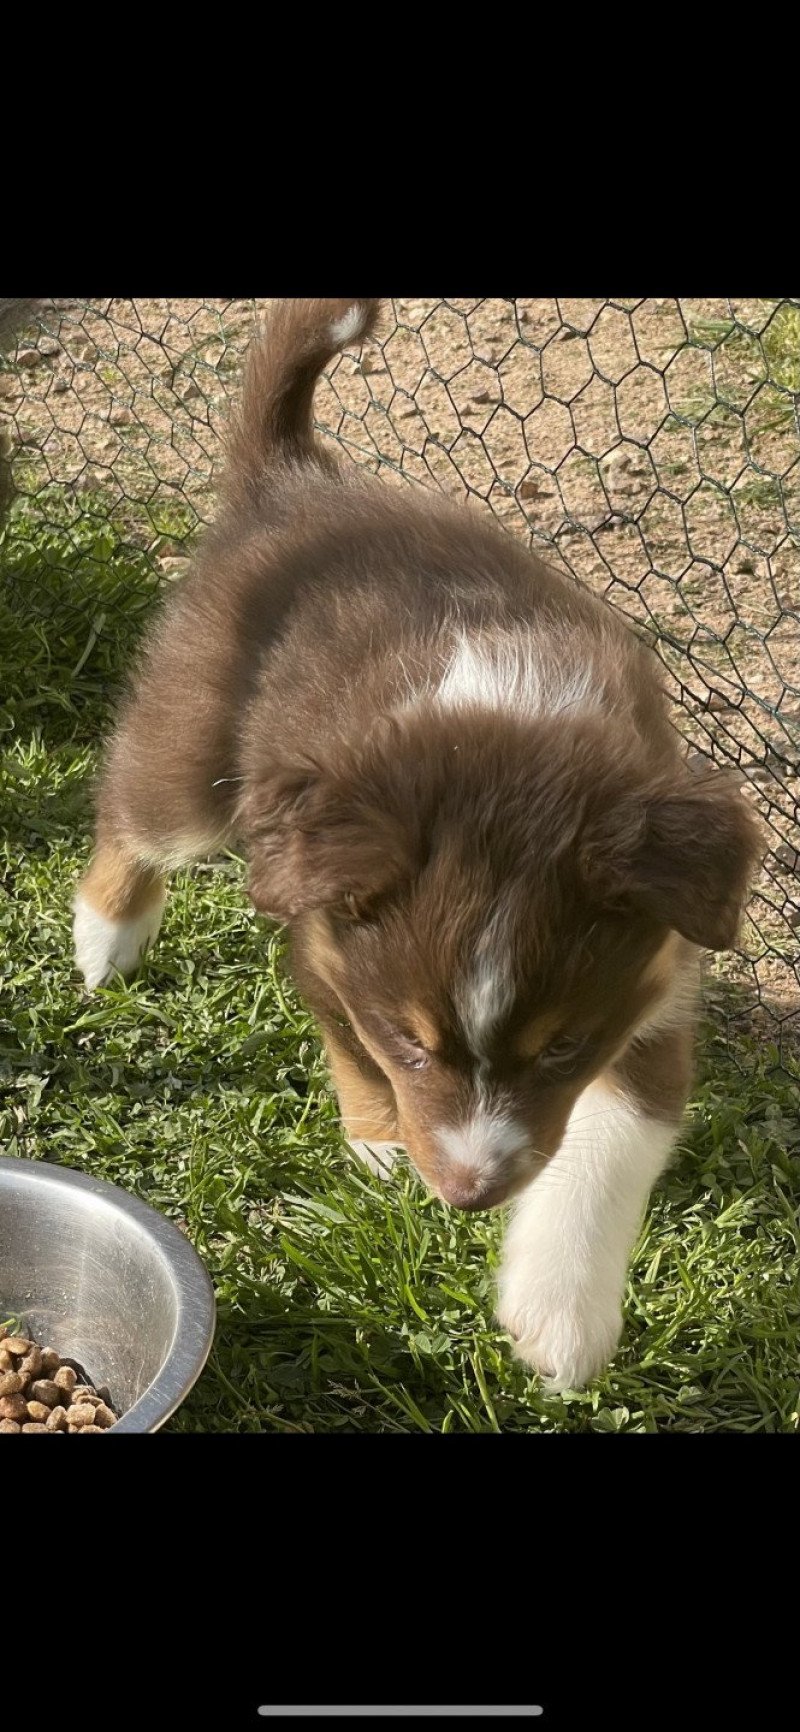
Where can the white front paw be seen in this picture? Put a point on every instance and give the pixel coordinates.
(568, 1340)
(105, 947)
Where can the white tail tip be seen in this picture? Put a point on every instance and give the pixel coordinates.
(349, 326)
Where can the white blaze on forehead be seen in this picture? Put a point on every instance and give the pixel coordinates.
(515, 671)
(486, 994)
(484, 1140)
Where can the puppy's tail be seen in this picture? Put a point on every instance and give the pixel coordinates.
(296, 341)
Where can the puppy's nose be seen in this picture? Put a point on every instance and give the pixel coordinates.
(465, 1190)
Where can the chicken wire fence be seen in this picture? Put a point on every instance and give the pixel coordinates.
(648, 448)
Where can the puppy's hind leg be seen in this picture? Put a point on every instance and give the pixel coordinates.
(118, 909)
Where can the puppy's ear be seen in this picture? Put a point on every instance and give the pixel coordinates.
(315, 841)
(683, 852)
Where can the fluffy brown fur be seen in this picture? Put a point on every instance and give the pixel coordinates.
(454, 776)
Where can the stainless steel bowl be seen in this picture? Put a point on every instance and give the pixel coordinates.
(105, 1280)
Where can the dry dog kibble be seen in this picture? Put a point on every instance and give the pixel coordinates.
(38, 1411)
(80, 1413)
(18, 1345)
(41, 1392)
(47, 1391)
(14, 1407)
(31, 1364)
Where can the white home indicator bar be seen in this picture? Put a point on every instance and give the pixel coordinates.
(391, 1709)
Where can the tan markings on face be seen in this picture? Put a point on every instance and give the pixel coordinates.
(658, 974)
(119, 886)
(421, 1027)
(658, 1074)
(367, 1107)
(321, 948)
(607, 1083)
(534, 1036)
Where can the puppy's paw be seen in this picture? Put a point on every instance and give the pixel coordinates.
(379, 1157)
(104, 947)
(568, 1343)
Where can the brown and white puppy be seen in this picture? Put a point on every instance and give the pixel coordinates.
(454, 777)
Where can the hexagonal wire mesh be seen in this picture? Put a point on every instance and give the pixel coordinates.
(648, 448)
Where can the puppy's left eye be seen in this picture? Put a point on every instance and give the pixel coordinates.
(411, 1055)
(404, 1048)
(354, 910)
(562, 1054)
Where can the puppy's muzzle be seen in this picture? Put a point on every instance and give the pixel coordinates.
(464, 1189)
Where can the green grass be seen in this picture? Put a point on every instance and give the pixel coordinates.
(343, 1303)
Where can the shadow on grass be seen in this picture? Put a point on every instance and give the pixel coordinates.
(294, 1368)
(75, 597)
(750, 1018)
(73, 602)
